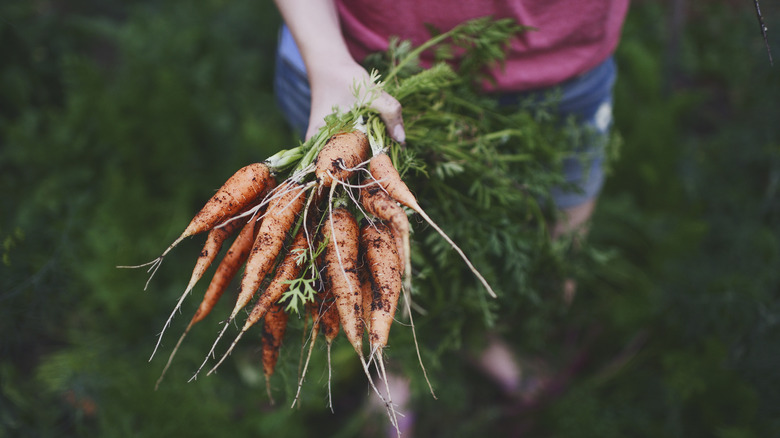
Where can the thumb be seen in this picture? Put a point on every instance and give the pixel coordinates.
(389, 110)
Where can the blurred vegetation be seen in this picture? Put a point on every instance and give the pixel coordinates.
(115, 120)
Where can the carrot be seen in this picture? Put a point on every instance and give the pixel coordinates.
(237, 193)
(329, 318)
(235, 257)
(274, 326)
(325, 319)
(340, 156)
(341, 233)
(232, 261)
(367, 296)
(384, 267)
(279, 217)
(382, 170)
(211, 248)
(277, 222)
(378, 203)
(288, 270)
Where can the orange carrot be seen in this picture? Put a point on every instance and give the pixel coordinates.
(211, 248)
(288, 270)
(341, 233)
(329, 317)
(279, 217)
(367, 296)
(274, 326)
(382, 170)
(277, 222)
(235, 257)
(378, 203)
(325, 319)
(238, 192)
(384, 267)
(340, 156)
(232, 261)
(242, 189)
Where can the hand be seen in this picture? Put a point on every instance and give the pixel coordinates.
(334, 87)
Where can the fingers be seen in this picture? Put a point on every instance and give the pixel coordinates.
(333, 91)
(389, 110)
(315, 123)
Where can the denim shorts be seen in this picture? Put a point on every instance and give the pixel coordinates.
(587, 97)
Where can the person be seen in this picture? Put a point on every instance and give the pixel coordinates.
(570, 50)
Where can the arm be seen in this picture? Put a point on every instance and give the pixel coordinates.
(332, 71)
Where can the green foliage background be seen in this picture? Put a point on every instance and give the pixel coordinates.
(115, 120)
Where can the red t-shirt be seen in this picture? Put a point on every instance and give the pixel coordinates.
(572, 36)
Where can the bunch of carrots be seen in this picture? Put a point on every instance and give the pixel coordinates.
(332, 236)
(323, 230)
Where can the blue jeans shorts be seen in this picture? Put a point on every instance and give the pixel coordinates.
(587, 97)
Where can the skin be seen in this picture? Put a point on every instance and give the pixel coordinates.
(498, 360)
(332, 71)
(574, 220)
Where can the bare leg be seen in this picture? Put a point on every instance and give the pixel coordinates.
(573, 220)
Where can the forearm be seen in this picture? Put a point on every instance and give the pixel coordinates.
(331, 69)
(315, 27)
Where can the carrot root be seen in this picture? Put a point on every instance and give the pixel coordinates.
(302, 374)
(330, 368)
(391, 413)
(407, 300)
(173, 353)
(460, 252)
